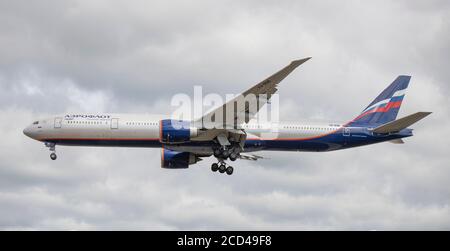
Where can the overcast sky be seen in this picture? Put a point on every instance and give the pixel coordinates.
(132, 56)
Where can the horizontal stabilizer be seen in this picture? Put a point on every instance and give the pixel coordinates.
(250, 157)
(402, 123)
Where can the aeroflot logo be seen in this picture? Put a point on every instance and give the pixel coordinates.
(86, 116)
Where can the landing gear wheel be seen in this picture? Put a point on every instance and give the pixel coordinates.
(53, 156)
(214, 167)
(230, 170)
(233, 156)
(222, 168)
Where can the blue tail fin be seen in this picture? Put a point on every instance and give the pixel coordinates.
(385, 107)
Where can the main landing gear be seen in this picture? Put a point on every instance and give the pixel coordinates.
(227, 152)
(223, 153)
(222, 168)
(52, 148)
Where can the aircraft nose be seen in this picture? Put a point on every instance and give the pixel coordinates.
(27, 131)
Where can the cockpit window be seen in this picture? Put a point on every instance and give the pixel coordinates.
(35, 122)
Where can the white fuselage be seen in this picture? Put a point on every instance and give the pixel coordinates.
(146, 127)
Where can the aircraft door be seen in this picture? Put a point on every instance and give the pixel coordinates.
(114, 123)
(346, 131)
(58, 122)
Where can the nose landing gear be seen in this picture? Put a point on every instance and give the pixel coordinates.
(52, 148)
(53, 156)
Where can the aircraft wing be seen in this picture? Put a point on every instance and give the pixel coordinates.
(232, 114)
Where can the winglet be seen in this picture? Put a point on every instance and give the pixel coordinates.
(300, 61)
(277, 77)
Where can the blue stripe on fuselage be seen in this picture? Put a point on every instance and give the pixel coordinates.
(335, 141)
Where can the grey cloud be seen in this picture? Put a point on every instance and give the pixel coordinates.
(95, 56)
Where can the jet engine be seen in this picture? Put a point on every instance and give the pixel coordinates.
(176, 160)
(176, 131)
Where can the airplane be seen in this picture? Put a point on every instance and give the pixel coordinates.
(182, 146)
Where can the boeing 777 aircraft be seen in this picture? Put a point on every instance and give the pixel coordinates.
(207, 136)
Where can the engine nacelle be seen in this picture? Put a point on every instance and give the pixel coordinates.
(176, 131)
(176, 160)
